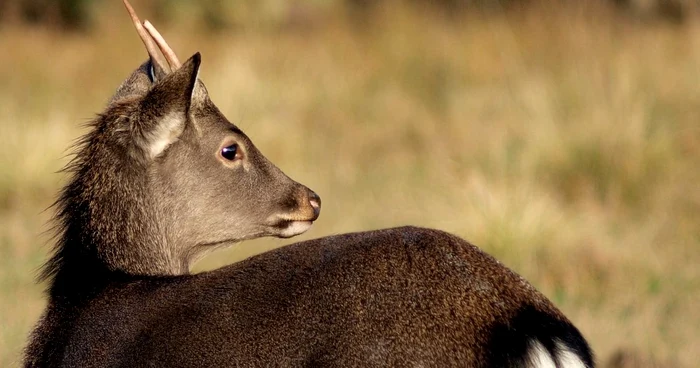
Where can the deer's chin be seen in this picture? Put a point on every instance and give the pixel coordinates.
(289, 229)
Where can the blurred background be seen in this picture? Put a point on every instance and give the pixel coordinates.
(563, 137)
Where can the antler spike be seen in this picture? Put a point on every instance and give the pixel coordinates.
(163, 46)
(145, 37)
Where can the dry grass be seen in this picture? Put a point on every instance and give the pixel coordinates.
(565, 144)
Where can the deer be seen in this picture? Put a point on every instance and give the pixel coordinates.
(163, 178)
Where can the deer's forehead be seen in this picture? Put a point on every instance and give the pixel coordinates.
(211, 122)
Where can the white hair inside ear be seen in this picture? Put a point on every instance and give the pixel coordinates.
(166, 133)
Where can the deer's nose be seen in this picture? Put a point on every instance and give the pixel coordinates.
(315, 202)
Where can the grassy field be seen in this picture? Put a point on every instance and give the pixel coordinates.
(565, 143)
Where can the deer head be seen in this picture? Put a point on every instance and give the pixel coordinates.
(164, 176)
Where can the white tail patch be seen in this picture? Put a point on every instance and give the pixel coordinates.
(567, 358)
(539, 357)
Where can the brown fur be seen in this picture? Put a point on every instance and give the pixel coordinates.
(150, 192)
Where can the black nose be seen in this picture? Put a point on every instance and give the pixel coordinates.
(315, 202)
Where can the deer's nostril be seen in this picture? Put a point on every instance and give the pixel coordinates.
(315, 202)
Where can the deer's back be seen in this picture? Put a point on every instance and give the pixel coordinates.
(405, 296)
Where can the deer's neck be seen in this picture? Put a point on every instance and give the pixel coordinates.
(82, 266)
(109, 231)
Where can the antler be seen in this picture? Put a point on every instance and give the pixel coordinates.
(145, 37)
(163, 46)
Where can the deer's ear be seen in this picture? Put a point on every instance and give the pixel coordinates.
(136, 85)
(165, 109)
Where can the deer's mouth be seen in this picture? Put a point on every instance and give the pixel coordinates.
(290, 228)
(286, 225)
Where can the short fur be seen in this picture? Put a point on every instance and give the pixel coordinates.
(142, 204)
(397, 297)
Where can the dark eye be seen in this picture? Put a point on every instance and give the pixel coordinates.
(230, 152)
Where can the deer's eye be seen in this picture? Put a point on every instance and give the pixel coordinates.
(230, 152)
